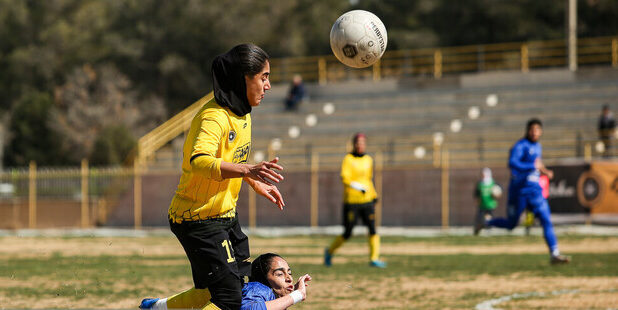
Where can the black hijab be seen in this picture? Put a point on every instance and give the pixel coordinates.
(229, 84)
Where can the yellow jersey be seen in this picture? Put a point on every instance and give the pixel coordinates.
(357, 171)
(218, 132)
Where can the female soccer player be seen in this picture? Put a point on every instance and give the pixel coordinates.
(202, 213)
(270, 288)
(359, 200)
(271, 285)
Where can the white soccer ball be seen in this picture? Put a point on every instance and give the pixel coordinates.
(496, 191)
(358, 38)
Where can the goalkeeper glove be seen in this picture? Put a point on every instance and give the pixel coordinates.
(357, 186)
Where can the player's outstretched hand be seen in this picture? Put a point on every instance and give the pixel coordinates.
(264, 171)
(268, 191)
(259, 176)
(302, 284)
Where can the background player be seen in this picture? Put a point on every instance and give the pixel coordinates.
(202, 213)
(359, 200)
(486, 199)
(524, 189)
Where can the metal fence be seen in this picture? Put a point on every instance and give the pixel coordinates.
(437, 194)
(60, 197)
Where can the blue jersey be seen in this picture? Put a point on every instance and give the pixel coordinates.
(255, 295)
(524, 174)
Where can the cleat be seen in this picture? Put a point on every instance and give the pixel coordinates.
(327, 258)
(377, 263)
(559, 259)
(147, 303)
(478, 225)
(477, 229)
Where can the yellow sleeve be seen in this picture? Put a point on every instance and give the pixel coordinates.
(206, 148)
(208, 166)
(370, 169)
(345, 172)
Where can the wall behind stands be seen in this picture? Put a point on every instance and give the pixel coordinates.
(410, 197)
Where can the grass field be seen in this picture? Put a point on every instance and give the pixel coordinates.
(431, 273)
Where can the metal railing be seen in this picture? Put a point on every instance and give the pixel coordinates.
(164, 133)
(86, 190)
(435, 62)
(34, 191)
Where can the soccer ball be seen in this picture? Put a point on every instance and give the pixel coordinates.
(358, 38)
(496, 191)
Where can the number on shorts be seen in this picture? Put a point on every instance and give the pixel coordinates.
(226, 245)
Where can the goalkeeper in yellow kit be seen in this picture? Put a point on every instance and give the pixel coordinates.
(202, 213)
(359, 200)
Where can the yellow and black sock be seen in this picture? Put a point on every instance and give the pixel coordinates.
(337, 243)
(190, 299)
(374, 247)
(211, 306)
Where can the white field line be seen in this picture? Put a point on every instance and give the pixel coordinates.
(489, 304)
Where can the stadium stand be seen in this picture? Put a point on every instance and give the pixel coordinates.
(399, 117)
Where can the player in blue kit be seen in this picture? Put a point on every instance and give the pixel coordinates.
(524, 190)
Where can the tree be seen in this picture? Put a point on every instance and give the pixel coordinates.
(30, 136)
(112, 146)
(95, 99)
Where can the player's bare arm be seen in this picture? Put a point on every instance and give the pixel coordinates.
(259, 177)
(284, 302)
(261, 172)
(539, 165)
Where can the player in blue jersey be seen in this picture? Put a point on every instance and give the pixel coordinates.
(271, 286)
(524, 190)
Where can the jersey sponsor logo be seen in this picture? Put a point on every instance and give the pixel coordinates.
(241, 154)
(232, 136)
(244, 126)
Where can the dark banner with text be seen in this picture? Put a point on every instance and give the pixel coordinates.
(563, 189)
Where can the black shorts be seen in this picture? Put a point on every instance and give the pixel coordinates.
(215, 248)
(365, 211)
